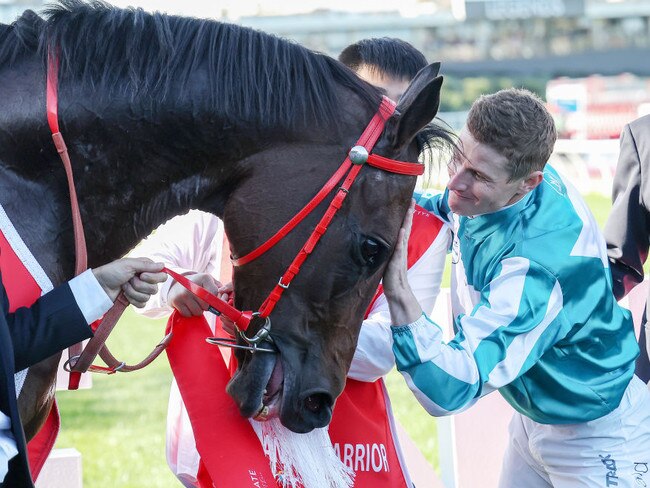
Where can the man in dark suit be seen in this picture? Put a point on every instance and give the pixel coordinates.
(628, 228)
(55, 321)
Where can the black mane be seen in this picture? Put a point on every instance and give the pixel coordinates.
(254, 76)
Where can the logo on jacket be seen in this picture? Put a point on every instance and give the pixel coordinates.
(555, 183)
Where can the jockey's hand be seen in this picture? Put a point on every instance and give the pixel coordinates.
(138, 277)
(226, 294)
(188, 304)
(404, 307)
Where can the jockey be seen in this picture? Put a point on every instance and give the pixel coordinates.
(192, 244)
(534, 311)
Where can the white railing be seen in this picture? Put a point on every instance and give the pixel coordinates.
(589, 164)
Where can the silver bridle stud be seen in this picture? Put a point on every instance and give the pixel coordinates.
(358, 155)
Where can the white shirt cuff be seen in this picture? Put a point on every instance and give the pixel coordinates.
(422, 321)
(90, 296)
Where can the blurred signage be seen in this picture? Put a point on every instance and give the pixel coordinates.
(520, 9)
(596, 107)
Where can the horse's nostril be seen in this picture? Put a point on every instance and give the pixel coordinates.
(315, 403)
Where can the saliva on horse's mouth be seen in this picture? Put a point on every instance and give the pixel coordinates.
(272, 394)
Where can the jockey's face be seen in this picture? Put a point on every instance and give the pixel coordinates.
(480, 181)
(394, 87)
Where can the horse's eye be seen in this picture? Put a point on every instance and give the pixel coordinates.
(370, 250)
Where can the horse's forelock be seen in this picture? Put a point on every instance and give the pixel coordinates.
(256, 77)
(435, 145)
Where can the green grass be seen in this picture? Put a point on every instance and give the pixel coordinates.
(600, 207)
(119, 424)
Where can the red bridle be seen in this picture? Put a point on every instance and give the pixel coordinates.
(351, 166)
(348, 172)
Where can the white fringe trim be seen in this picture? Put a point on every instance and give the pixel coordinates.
(302, 460)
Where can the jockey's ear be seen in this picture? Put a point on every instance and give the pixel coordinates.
(417, 106)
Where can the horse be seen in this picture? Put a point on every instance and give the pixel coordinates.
(163, 114)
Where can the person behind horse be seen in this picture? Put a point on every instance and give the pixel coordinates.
(627, 230)
(192, 245)
(385, 62)
(58, 319)
(534, 310)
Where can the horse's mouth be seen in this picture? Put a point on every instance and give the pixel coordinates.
(272, 395)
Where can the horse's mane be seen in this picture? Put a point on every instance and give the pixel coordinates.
(256, 77)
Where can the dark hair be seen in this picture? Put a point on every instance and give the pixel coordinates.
(515, 123)
(254, 76)
(386, 55)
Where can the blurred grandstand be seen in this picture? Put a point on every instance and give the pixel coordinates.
(589, 58)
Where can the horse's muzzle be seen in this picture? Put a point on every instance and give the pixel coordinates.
(306, 410)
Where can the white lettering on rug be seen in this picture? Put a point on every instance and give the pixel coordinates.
(363, 457)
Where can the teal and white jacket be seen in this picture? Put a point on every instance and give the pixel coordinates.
(537, 319)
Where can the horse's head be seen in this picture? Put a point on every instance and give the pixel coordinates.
(221, 118)
(316, 323)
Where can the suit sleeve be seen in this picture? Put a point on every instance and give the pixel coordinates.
(627, 228)
(51, 324)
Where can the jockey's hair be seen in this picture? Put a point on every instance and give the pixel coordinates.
(386, 56)
(516, 124)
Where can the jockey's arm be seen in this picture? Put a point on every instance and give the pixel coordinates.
(373, 357)
(505, 334)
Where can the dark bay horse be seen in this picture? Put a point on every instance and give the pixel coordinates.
(163, 114)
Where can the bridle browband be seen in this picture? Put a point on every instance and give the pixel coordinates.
(358, 156)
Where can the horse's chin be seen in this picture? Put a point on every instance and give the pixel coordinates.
(257, 386)
(265, 386)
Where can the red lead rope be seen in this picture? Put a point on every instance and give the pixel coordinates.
(241, 319)
(81, 255)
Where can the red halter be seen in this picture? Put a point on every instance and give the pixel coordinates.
(352, 165)
(357, 157)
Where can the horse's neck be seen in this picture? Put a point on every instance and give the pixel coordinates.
(132, 173)
(123, 196)
(136, 202)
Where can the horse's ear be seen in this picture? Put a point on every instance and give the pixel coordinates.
(418, 105)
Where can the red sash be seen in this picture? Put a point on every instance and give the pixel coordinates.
(231, 453)
(362, 429)
(23, 291)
